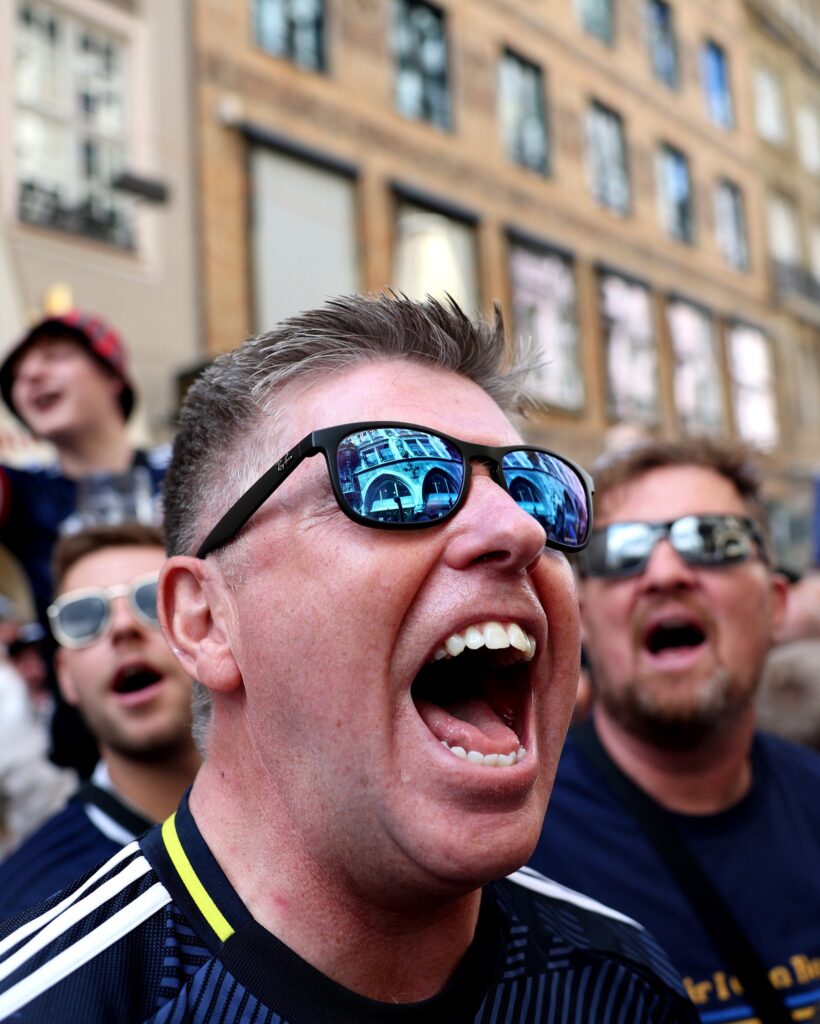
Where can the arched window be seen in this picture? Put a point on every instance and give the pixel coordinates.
(389, 499)
(525, 492)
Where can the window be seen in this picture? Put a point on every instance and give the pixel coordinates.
(70, 124)
(715, 73)
(388, 499)
(808, 136)
(807, 382)
(750, 368)
(435, 254)
(303, 216)
(784, 231)
(674, 193)
(730, 225)
(420, 53)
(814, 254)
(606, 158)
(596, 18)
(697, 381)
(292, 28)
(545, 309)
(770, 107)
(631, 351)
(521, 112)
(663, 47)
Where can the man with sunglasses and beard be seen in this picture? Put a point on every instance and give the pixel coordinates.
(114, 665)
(369, 586)
(669, 804)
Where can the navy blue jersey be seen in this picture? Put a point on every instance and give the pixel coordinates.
(762, 854)
(159, 935)
(65, 847)
(37, 505)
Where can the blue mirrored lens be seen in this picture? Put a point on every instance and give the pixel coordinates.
(83, 617)
(399, 475)
(551, 491)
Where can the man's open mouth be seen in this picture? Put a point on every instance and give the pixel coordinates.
(674, 634)
(44, 402)
(133, 678)
(474, 693)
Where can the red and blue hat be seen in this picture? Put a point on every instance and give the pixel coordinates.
(98, 337)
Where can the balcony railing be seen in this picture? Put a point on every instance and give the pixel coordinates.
(791, 279)
(103, 220)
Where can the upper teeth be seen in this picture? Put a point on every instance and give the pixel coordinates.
(492, 635)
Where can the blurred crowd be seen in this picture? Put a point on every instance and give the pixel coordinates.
(96, 738)
(67, 381)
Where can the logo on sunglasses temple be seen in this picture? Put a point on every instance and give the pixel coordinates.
(280, 465)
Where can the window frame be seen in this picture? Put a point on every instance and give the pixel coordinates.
(740, 238)
(538, 84)
(399, 9)
(550, 394)
(431, 214)
(690, 420)
(774, 94)
(711, 48)
(741, 387)
(67, 205)
(600, 184)
(667, 40)
(808, 111)
(677, 218)
(289, 51)
(624, 408)
(588, 19)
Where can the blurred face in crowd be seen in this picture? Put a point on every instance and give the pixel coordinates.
(354, 650)
(676, 651)
(59, 387)
(127, 684)
(802, 618)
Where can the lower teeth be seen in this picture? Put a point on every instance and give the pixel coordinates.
(488, 760)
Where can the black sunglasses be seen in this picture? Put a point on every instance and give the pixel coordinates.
(399, 476)
(624, 549)
(80, 617)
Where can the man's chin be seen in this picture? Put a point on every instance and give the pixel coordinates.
(149, 749)
(676, 716)
(461, 870)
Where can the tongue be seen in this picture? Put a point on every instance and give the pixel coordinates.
(470, 723)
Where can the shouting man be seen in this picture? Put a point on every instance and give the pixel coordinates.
(670, 805)
(368, 583)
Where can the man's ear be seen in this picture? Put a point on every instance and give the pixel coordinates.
(779, 599)
(64, 678)
(193, 612)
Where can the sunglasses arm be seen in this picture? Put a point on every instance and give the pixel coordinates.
(253, 499)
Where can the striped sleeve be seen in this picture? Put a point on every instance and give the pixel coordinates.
(47, 955)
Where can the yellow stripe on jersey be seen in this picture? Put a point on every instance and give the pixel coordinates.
(199, 895)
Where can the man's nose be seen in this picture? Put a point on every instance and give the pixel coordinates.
(490, 526)
(666, 569)
(123, 621)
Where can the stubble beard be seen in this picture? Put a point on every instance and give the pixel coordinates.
(161, 744)
(674, 715)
